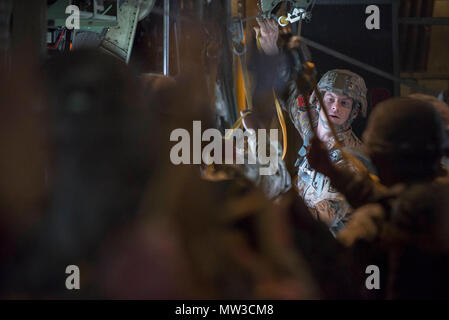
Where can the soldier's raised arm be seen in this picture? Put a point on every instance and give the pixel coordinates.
(267, 34)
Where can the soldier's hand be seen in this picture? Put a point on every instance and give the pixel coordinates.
(365, 224)
(267, 34)
(318, 157)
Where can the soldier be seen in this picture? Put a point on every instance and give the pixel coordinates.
(344, 95)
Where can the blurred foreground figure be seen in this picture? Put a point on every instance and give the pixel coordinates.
(24, 157)
(200, 239)
(136, 225)
(401, 225)
(98, 164)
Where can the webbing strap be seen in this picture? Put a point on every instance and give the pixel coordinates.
(283, 126)
(249, 102)
(236, 124)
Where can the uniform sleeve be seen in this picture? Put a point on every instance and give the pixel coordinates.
(297, 114)
(278, 181)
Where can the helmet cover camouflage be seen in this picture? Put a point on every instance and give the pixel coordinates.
(344, 82)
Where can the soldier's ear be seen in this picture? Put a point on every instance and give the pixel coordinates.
(357, 110)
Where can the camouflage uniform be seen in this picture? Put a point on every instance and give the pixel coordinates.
(315, 188)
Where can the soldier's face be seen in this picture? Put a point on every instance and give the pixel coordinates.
(338, 107)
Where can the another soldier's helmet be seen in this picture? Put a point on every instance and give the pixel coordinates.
(344, 82)
(407, 126)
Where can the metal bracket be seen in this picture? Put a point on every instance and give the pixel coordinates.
(268, 6)
(296, 15)
(119, 40)
(238, 36)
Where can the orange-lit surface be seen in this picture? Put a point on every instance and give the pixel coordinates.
(240, 89)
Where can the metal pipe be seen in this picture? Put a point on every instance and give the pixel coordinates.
(403, 30)
(396, 47)
(367, 67)
(423, 52)
(411, 58)
(166, 37)
(94, 14)
(178, 60)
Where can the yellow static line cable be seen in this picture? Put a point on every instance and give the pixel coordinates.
(236, 125)
(283, 126)
(247, 94)
(279, 112)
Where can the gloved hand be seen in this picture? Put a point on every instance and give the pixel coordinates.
(267, 34)
(318, 157)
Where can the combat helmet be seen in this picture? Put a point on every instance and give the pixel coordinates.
(410, 134)
(344, 82)
(406, 126)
